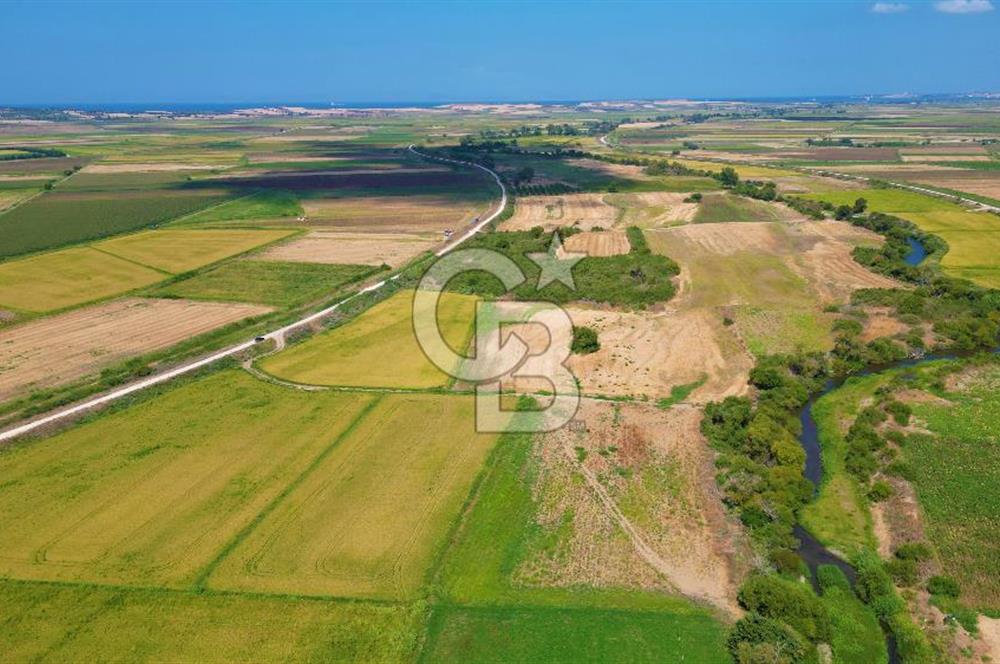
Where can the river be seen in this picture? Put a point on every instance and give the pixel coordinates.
(810, 549)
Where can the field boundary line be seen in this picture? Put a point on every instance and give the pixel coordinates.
(133, 262)
(22, 429)
(239, 537)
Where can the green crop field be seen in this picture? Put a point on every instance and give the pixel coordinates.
(356, 353)
(59, 218)
(69, 277)
(369, 519)
(571, 635)
(266, 282)
(153, 494)
(956, 474)
(263, 205)
(178, 251)
(79, 622)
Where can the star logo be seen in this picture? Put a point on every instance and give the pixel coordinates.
(557, 264)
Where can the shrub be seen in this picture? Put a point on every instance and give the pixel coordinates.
(917, 551)
(787, 561)
(899, 411)
(903, 571)
(943, 585)
(755, 638)
(880, 491)
(585, 341)
(791, 602)
(831, 576)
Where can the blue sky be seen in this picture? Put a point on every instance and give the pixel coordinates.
(385, 51)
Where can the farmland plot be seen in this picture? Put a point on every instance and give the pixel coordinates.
(376, 349)
(368, 520)
(178, 251)
(152, 494)
(56, 350)
(393, 249)
(69, 277)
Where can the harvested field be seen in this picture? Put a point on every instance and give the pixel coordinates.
(395, 214)
(584, 211)
(603, 243)
(69, 277)
(392, 249)
(355, 354)
(53, 351)
(153, 494)
(368, 521)
(178, 251)
(983, 183)
(661, 524)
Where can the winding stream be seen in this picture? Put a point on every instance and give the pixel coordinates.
(810, 549)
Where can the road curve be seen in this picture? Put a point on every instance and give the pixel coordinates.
(276, 335)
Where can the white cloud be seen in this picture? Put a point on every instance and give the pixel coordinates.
(964, 6)
(890, 7)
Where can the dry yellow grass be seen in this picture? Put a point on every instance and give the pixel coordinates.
(584, 211)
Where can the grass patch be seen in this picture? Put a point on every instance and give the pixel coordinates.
(839, 515)
(679, 393)
(266, 282)
(355, 354)
(720, 208)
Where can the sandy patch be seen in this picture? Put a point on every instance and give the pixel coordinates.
(584, 211)
(393, 249)
(652, 514)
(603, 243)
(945, 157)
(651, 353)
(56, 350)
(989, 632)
